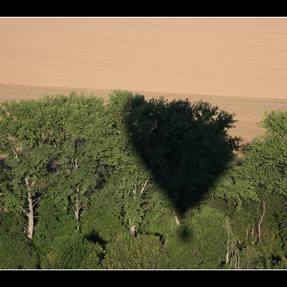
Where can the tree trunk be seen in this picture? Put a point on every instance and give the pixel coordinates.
(30, 215)
(236, 259)
(227, 257)
(133, 230)
(260, 221)
(252, 235)
(177, 221)
(77, 208)
(227, 253)
(77, 203)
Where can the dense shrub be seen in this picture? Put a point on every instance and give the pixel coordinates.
(103, 220)
(143, 251)
(16, 251)
(72, 252)
(201, 241)
(51, 225)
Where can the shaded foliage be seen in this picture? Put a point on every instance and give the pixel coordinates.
(185, 146)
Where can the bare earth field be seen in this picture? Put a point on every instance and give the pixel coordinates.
(238, 64)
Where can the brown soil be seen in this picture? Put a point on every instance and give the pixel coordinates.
(238, 64)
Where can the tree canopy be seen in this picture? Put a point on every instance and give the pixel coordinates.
(138, 183)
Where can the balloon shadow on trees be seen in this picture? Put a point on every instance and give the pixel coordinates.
(185, 146)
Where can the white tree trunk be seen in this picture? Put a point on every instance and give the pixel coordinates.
(77, 208)
(227, 257)
(260, 221)
(177, 221)
(252, 235)
(77, 203)
(133, 230)
(30, 215)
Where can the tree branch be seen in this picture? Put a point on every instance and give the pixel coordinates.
(36, 200)
(144, 187)
(15, 154)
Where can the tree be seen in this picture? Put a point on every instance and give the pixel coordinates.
(184, 146)
(254, 184)
(81, 168)
(138, 183)
(265, 166)
(29, 131)
(130, 177)
(176, 147)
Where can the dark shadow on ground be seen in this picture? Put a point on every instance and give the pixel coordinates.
(185, 146)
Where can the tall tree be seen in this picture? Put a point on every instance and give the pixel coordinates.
(79, 169)
(28, 134)
(262, 173)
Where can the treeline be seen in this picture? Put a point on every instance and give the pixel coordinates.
(138, 183)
